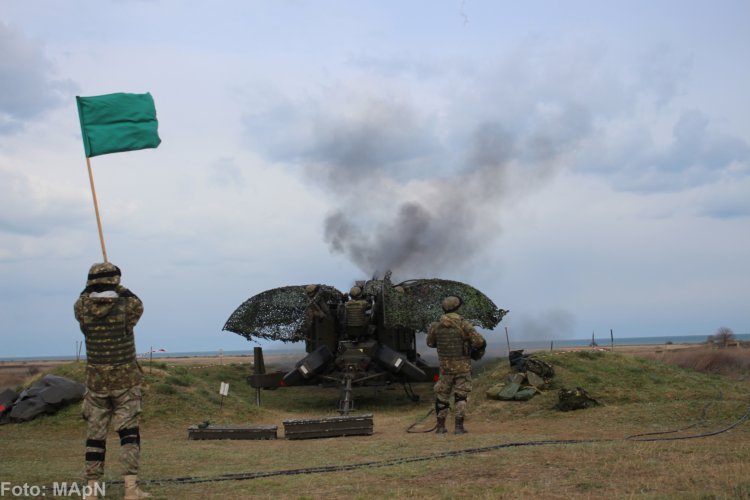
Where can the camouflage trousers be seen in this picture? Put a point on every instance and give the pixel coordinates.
(122, 409)
(457, 384)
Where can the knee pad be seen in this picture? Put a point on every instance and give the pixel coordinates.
(441, 405)
(460, 397)
(96, 456)
(130, 436)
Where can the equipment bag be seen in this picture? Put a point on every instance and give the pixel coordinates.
(541, 368)
(577, 399)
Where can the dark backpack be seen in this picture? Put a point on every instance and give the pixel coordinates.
(517, 360)
(541, 368)
(521, 362)
(577, 399)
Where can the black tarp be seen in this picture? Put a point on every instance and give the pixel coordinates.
(6, 401)
(46, 396)
(6, 398)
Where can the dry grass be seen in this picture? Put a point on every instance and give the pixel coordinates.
(12, 375)
(640, 396)
(727, 361)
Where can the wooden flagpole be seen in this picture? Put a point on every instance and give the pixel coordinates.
(96, 209)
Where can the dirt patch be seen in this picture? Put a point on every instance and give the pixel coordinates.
(14, 373)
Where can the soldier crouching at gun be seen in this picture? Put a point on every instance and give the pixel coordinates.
(107, 313)
(457, 343)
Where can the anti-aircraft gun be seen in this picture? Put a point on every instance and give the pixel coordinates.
(344, 350)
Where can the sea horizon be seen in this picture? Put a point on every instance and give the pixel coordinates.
(533, 344)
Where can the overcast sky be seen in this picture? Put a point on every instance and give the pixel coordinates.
(585, 164)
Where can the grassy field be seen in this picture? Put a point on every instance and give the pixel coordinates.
(638, 395)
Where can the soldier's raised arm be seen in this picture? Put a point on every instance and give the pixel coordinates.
(475, 338)
(431, 337)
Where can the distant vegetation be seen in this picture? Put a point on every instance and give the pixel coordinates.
(723, 337)
(732, 362)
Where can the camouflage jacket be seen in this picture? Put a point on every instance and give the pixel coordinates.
(317, 310)
(469, 338)
(123, 371)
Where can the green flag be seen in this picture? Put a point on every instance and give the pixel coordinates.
(113, 123)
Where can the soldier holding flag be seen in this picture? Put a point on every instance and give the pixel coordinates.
(107, 311)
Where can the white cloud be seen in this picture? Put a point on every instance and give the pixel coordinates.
(590, 168)
(31, 205)
(27, 86)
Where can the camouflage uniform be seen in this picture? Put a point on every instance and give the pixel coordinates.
(107, 313)
(357, 320)
(454, 338)
(319, 324)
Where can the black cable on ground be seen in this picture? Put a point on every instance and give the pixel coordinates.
(361, 465)
(701, 419)
(695, 436)
(413, 396)
(411, 427)
(397, 461)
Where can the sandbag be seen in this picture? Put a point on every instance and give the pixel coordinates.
(525, 394)
(512, 390)
(507, 392)
(536, 381)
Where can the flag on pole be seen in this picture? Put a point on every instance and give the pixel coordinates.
(114, 123)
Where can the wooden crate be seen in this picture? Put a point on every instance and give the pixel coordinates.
(351, 425)
(232, 432)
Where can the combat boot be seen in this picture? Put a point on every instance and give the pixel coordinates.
(91, 490)
(440, 429)
(460, 426)
(132, 491)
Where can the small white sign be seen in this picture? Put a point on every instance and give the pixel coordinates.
(224, 389)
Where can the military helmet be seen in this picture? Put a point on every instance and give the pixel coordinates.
(355, 292)
(104, 273)
(451, 303)
(310, 290)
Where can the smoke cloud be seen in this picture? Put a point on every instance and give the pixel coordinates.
(414, 192)
(547, 325)
(417, 221)
(421, 170)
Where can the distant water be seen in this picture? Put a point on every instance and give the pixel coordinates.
(606, 341)
(499, 344)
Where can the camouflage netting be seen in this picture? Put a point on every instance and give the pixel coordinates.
(279, 314)
(416, 303)
(276, 314)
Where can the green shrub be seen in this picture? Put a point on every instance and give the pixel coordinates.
(166, 389)
(182, 381)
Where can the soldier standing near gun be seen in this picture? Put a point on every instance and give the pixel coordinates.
(357, 315)
(454, 338)
(319, 324)
(107, 313)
